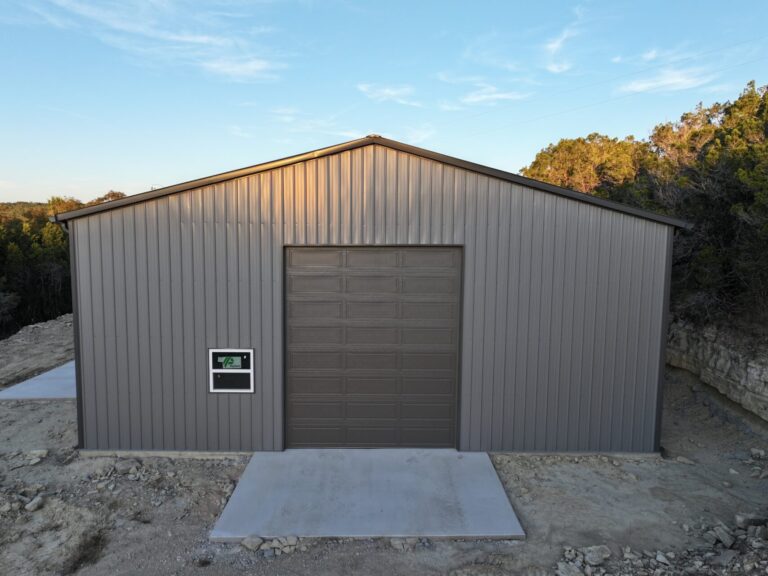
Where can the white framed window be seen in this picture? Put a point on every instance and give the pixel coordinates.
(230, 370)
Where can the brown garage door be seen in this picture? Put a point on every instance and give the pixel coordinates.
(372, 346)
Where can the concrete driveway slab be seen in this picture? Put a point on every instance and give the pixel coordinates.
(56, 383)
(368, 493)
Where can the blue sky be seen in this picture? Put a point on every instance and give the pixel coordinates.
(134, 94)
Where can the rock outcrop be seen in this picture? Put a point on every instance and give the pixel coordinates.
(734, 365)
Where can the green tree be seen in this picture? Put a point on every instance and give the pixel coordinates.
(710, 168)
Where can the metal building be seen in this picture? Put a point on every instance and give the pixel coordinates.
(369, 294)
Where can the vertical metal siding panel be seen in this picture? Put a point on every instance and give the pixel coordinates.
(288, 176)
(120, 347)
(380, 207)
(274, 413)
(543, 393)
(310, 177)
(212, 273)
(323, 217)
(534, 279)
(459, 192)
(232, 401)
(556, 382)
(622, 345)
(255, 191)
(511, 384)
(414, 202)
(638, 399)
(436, 214)
(200, 232)
(109, 358)
(659, 329)
(533, 392)
(334, 182)
(588, 328)
(189, 382)
(424, 195)
(447, 191)
(643, 353)
(244, 304)
(581, 219)
(221, 286)
(300, 204)
(270, 188)
(345, 179)
(356, 193)
(144, 327)
(368, 195)
(611, 332)
(88, 332)
(597, 436)
(402, 197)
(490, 285)
(524, 310)
(499, 338)
(636, 288)
(467, 335)
(565, 427)
(177, 381)
(392, 219)
(131, 327)
(478, 188)
(155, 335)
(166, 325)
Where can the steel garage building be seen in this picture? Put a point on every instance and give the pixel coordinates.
(369, 294)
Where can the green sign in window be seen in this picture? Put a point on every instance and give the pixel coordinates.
(230, 362)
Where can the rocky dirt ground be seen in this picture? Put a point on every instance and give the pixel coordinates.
(697, 509)
(35, 349)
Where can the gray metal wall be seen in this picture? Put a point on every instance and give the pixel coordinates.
(562, 320)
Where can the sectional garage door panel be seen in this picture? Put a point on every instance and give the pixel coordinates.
(372, 346)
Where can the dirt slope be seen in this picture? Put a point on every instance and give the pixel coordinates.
(35, 349)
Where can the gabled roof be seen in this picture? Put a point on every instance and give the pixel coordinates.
(367, 141)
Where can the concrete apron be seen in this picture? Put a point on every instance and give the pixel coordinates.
(365, 493)
(58, 383)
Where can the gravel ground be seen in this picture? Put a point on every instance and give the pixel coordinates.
(63, 513)
(35, 349)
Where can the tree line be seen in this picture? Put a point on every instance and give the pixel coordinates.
(34, 261)
(709, 168)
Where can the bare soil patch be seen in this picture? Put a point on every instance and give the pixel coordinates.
(152, 515)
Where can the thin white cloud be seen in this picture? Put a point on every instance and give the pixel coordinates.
(617, 59)
(558, 67)
(490, 50)
(162, 31)
(489, 94)
(397, 94)
(123, 21)
(450, 78)
(556, 44)
(55, 20)
(448, 106)
(239, 132)
(240, 69)
(650, 55)
(419, 134)
(555, 63)
(297, 121)
(669, 80)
